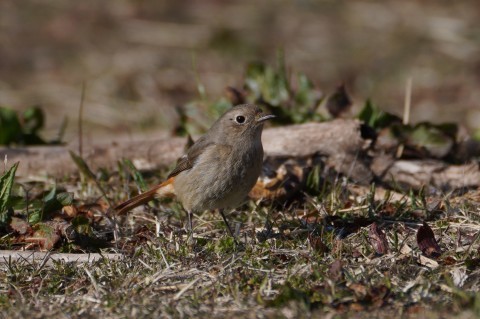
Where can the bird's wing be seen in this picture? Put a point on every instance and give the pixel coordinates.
(187, 161)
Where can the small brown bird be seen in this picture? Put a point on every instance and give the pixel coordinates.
(219, 169)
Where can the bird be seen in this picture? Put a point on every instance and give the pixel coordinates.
(218, 170)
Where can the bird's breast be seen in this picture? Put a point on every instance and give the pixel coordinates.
(221, 177)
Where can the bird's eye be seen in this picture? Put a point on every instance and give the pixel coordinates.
(240, 119)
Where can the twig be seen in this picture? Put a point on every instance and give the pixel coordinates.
(80, 121)
(92, 279)
(406, 111)
(408, 102)
(344, 210)
(184, 289)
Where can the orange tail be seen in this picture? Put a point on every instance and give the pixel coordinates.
(165, 189)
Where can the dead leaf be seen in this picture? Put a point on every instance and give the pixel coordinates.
(20, 226)
(459, 276)
(70, 211)
(374, 295)
(415, 310)
(359, 290)
(427, 262)
(427, 243)
(317, 244)
(449, 261)
(378, 294)
(279, 181)
(356, 306)
(405, 249)
(339, 102)
(47, 234)
(44, 236)
(388, 209)
(349, 227)
(335, 271)
(378, 240)
(234, 95)
(308, 218)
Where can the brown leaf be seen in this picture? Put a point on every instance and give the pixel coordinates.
(44, 236)
(428, 262)
(356, 306)
(310, 218)
(449, 261)
(234, 95)
(374, 295)
(359, 290)
(279, 181)
(378, 294)
(335, 272)
(20, 226)
(47, 234)
(388, 210)
(317, 244)
(339, 102)
(378, 240)
(427, 243)
(88, 210)
(416, 310)
(70, 211)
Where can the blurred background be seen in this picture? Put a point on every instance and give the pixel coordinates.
(140, 60)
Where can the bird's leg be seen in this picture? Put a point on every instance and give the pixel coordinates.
(190, 225)
(237, 244)
(226, 223)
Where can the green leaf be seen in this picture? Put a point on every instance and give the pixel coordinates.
(219, 107)
(137, 176)
(65, 198)
(476, 135)
(314, 179)
(267, 84)
(35, 216)
(52, 201)
(376, 118)
(51, 195)
(82, 166)
(87, 172)
(17, 202)
(10, 129)
(55, 201)
(431, 138)
(6, 183)
(82, 225)
(33, 120)
(305, 93)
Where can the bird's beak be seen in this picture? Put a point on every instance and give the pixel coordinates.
(265, 117)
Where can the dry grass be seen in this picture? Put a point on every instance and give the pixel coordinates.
(310, 259)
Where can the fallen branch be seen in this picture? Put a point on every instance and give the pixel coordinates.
(338, 140)
(419, 173)
(338, 143)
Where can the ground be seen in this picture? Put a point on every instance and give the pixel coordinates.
(336, 248)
